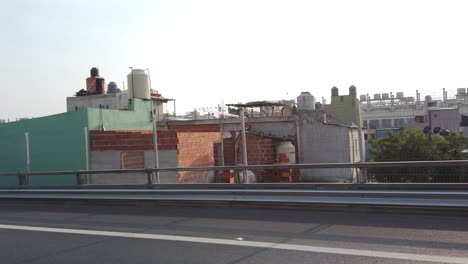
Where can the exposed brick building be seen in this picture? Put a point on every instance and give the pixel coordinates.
(134, 149)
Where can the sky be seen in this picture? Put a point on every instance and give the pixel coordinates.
(205, 52)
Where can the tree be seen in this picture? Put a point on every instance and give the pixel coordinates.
(413, 145)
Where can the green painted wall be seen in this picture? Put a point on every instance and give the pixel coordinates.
(138, 117)
(57, 141)
(343, 109)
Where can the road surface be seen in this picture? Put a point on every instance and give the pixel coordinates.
(84, 233)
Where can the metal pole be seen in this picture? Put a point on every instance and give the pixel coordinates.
(155, 116)
(155, 141)
(361, 141)
(221, 128)
(244, 145)
(28, 161)
(86, 142)
(133, 91)
(25, 180)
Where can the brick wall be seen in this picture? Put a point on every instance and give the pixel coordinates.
(195, 128)
(196, 149)
(260, 151)
(132, 140)
(228, 153)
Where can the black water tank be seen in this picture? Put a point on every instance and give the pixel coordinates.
(94, 72)
(112, 88)
(318, 106)
(334, 91)
(352, 90)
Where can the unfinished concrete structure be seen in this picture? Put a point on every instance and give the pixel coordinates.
(321, 142)
(134, 150)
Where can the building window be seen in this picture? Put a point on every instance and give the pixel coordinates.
(132, 160)
(373, 124)
(386, 123)
(399, 122)
(419, 119)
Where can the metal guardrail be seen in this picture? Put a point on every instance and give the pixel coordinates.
(81, 174)
(405, 198)
(438, 163)
(371, 194)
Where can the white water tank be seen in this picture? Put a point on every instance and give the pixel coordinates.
(305, 102)
(138, 84)
(286, 153)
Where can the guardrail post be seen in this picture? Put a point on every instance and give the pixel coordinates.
(149, 174)
(23, 179)
(81, 178)
(364, 175)
(236, 175)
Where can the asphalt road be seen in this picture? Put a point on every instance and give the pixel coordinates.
(83, 233)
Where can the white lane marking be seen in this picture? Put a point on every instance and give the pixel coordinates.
(296, 247)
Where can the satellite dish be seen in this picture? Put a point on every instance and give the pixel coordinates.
(444, 132)
(427, 129)
(436, 130)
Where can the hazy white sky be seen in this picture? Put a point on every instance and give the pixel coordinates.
(201, 52)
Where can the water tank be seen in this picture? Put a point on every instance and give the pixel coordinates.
(334, 91)
(305, 102)
(376, 96)
(400, 95)
(385, 96)
(362, 97)
(428, 98)
(352, 90)
(94, 72)
(286, 153)
(138, 84)
(461, 91)
(318, 106)
(112, 88)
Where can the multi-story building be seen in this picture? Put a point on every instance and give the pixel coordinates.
(385, 111)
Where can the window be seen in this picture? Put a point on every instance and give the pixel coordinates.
(373, 124)
(399, 122)
(419, 119)
(386, 123)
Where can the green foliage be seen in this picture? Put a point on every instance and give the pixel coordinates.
(414, 145)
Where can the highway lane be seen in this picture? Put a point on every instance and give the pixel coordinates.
(85, 233)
